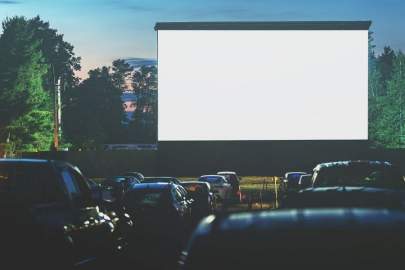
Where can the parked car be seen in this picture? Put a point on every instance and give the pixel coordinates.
(370, 184)
(162, 179)
(203, 198)
(234, 180)
(49, 218)
(157, 201)
(220, 186)
(316, 238)
(360, 173)
(117, 186)
(162, 219)
(290, 182)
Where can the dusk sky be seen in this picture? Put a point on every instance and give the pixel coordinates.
(104, 30)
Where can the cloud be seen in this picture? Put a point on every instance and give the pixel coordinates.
(8, 2)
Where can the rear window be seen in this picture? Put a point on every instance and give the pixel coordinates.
(192, 188)
(32, 183)
(211, 179)
(149, 198)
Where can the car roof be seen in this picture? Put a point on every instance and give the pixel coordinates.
(194, 182)
(316, 238)
(288, 173)
(37, 161)
(152, 186)
(201, 183)
(226, 172)
(212, 175)
(348, 163)
(308, 219)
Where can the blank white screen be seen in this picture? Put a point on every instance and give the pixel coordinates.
(262, 85)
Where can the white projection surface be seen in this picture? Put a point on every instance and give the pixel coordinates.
(262, 85)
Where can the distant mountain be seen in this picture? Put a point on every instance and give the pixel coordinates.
(136, 63)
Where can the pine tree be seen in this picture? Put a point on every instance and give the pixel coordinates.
(391, 127)
(22, 70)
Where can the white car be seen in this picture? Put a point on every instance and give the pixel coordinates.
(219, 185)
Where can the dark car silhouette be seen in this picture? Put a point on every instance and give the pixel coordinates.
(203, 198)
(49, 218)
(361, 173)
(298, 239)
(161, 218)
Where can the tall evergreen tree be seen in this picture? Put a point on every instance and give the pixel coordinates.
(391, 127)
(22, 69)
(386, 63)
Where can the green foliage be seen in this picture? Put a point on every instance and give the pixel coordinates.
(385, 65)
(57, 53)
(22, 70)
(32, 131)
(93, 114)
(387, 108)
(32, 57)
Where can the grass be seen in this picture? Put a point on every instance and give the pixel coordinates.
(258, 192)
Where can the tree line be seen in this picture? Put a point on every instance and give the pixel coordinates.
(33, 58)
(386, 97)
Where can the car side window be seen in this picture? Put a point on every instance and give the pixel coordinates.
(71, 185)
(83, 187)
(177, 195)
(182, 191)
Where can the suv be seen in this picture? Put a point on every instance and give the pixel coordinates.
(365, 184)
(360, 173)
(48, 215)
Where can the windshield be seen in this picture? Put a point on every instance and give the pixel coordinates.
(359, 175)
(211, 179)
(196, 190)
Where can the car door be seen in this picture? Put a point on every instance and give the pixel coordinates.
(90, 230)
(39, 213)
